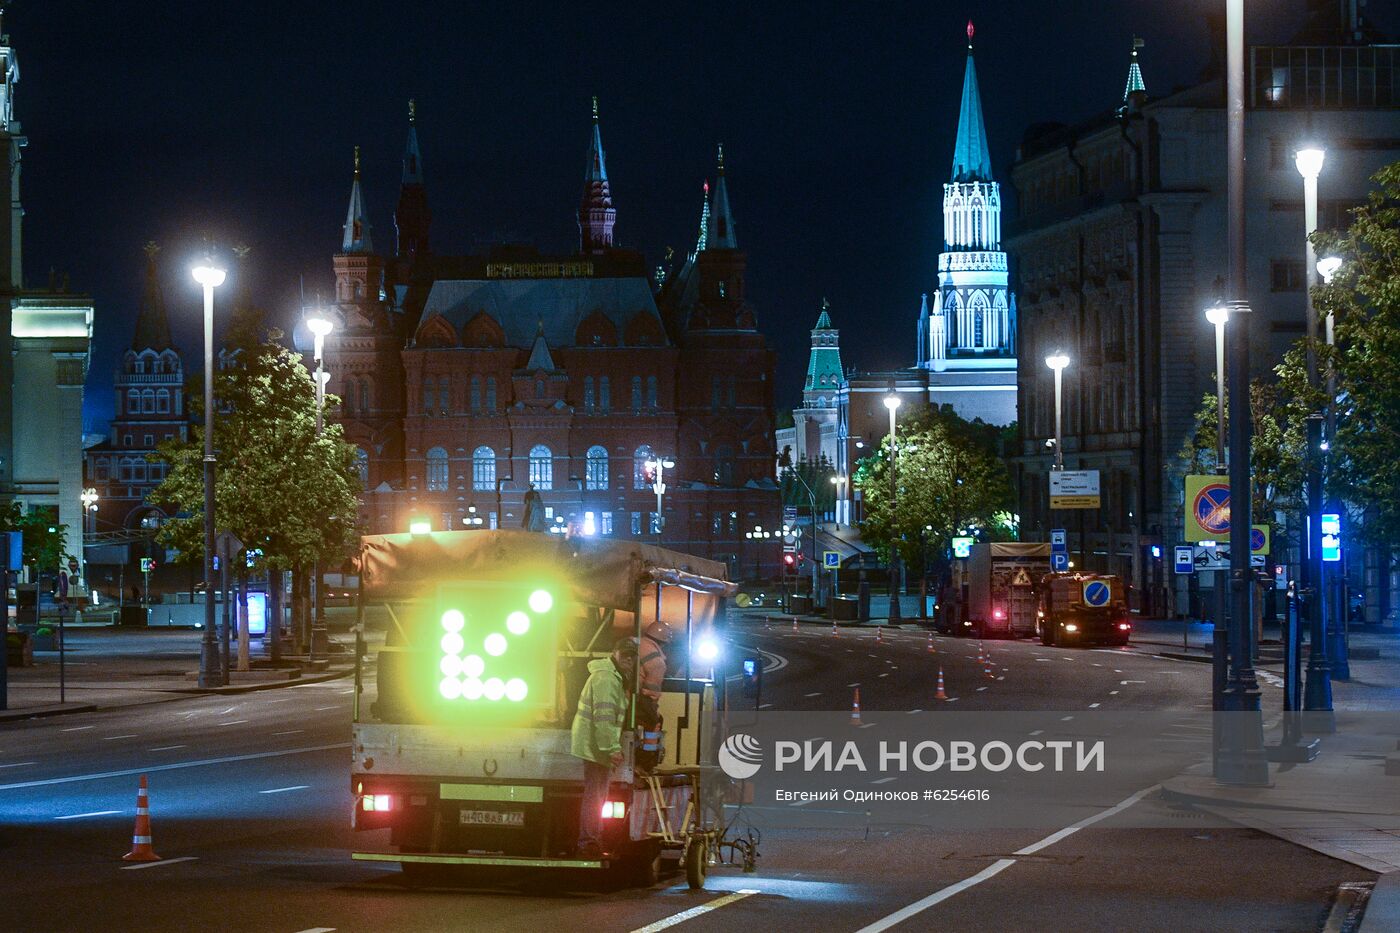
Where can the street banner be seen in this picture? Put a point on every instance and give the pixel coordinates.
(1074, 489)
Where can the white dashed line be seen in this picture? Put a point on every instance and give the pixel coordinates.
(79, 816)
(165, 748)
(810, 695)
(1066, 718)
(283, 790)
(19, 764)
(232, 722)
(113, 738)
(1093, 706)
(164, 861)
(289, 732)
(883, 780)
(77, 728)
(980, 689)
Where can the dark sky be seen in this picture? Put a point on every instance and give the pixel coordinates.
(174, 121)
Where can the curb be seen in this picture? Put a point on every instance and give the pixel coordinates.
(41, 712)
(1382, 911)
(253, 688)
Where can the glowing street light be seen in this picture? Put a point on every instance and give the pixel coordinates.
(1219, 316)
(659, 466)
(1327, 267)
(1058, 362)
(209, 276)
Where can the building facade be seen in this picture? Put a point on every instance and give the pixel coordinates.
(468, 381)
(1120, 246)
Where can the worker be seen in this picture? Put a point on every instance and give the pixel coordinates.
(596, 736)
(651, 658)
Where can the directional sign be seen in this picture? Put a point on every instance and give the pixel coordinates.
(1096, 593)
(1059, 561)
(1057, 539)
(1331, 526)
(1185, 560)
(831, 559)
(1207, 508)
(1218, 558)
(1074, 489)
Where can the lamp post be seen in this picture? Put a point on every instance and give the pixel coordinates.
(210, 277)
(1058, 362)
(892, 403)
(320, 325)
(659, 466)
(1219, 316)
(1327, 267)
(840, 483)
(89, 498)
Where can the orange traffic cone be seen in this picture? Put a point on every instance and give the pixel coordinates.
(987, 669)
(855, 708)
(141, 850)
(879, 635)
(930, 643)
(940, 695)
(794, 623)
(834, 630)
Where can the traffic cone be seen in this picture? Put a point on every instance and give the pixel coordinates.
(987, 669)
(794, 623)
(879, 635)
(855, 708)
(940, 695)
(141, 850)
(930, 643)
(834, 631)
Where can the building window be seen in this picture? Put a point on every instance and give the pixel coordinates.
(1287, 275)
(133, 401)
(588, 394)
(437, 470)
(651, 392)
(541, 467)
(364, 396)
(101, 471)
(722, 288)
(362, 467)
(605, 523)
(654, 522)
(733, 524)
(163, 402)
(476, 395)
(493, 521)
(150, 440)
(604, 394)
(126, 440)
(717, 523)
(636, 393)
(347, 402)
(148, 402)
(491, 394)
(637, 524)
(724, 465)
(596, 469)
(484, 469)
(641, 473)
(429, 395)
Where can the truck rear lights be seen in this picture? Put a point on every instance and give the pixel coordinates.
(378, 803)
(614, 810)
(998, 613)
(1123, 626)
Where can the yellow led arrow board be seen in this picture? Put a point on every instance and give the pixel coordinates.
(496, 645)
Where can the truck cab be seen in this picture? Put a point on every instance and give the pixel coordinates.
(1082, 609)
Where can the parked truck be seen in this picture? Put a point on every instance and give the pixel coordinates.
(991, 592)
(1082, 609)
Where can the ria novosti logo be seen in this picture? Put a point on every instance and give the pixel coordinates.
(741, 756)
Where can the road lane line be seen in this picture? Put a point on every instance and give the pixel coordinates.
(166, 748)
(79, 816)
(765, 705)
(229, 710)
(810, 695)
(19, 764)
(980, 689)
(317, 930)
(1124, 683)
(683, 916)
(885, 674)
(77, 728)
(322, 709)
(939, 897)
(856, 684)
(231, 722)
(113, 738)
(174, 766)
(164, 861)
(884, 780)
(1113, 693)
(1073, 828)
(1093, 706)
(283, 790)
(1066, 718)
(1037, 732)
(289, 732)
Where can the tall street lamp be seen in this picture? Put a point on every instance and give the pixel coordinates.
(840, 483)
(89, 498)
(320, 325)
(892, 403)
(1327, 267)
(659, 466)
(210, 277)
(1219, 316)
(1058, 362)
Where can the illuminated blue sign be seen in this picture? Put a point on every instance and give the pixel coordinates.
(1331, 528)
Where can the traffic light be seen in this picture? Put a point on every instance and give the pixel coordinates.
(495, 646)
(789, 560)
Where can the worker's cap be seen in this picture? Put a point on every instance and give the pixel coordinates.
(660, 632)
(626, 646)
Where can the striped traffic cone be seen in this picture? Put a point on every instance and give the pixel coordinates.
(794, 623)
(834, 631)
(141, 850)
(855, 708)
(987, 669)
(940, 695)
(930, 643)
(879, 635)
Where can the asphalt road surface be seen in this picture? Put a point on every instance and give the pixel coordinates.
(250, 809)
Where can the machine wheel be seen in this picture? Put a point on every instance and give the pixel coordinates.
(1042, 630)
(644, 864)
(696, 857)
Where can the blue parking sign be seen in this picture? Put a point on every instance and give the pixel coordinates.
(1059, 560)
(1184, 559)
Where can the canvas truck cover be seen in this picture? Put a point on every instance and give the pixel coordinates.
(603, 573)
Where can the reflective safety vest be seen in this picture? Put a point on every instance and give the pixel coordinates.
(596, 734)
(651, 741)
(653, 667)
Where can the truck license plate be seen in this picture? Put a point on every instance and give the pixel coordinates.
(492, 817)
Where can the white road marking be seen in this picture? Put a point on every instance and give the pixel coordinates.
(283, 790)
(79, 816)
(886, 674)
(318, 930)
(164, 861)
(77, 728)
(684, 915)
(231, 722)
(1166, 672)
(913, 711)
(1124, 683)
(1066, 718)
(1042, 659)
(229, 710)
(166, 748)
(280, 700)
(113, 738)
(764, 705)
(883, 780)
(1113, 693)
(1073, 828)
(1093, 706)
(175, 766)
(856, 684)
(1117, 671)
(817, 694)
(289, 732)
(19, 764)
(351, 690)
(322, 709)
(1037, 732)
(938, 897)
(980, 689)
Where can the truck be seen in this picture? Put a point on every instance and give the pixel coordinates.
(991, 592)
(1082, 609)
(462, 757)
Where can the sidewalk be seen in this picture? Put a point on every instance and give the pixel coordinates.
(105, 668)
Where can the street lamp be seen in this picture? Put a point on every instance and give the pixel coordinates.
(320, 325)
(210, 277)
(1058, 362)
(1218, 316)
(659, 466)
(892, 403)
(89, 499)
(1327, 267)
(471, 519)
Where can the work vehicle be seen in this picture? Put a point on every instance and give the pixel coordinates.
(464, 753)
(991, 592)
(1082, 609)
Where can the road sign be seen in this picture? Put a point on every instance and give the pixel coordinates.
(831, 559)
(1185, 560)
(1096, 593)
(1331, 527)
(1020, 577)
(1218, 558)
(789, 514)
(962, 546)
(1057, 539)
(1059, 560)
(147, 564)
(1074, 489)
(1207, 508)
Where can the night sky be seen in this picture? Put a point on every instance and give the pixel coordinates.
(174, 121)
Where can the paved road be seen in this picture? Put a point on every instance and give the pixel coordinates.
(251, 793)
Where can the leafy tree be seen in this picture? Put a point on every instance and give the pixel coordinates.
(43, 538)
(816, 475)
(951, 481)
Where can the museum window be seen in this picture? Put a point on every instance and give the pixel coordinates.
(641, 473)
(596, 468)
(483, 469)
(476, 394)
(541, 467)
(437, 470)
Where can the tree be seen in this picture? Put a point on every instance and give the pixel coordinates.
(43, 538)
(816, 475)
(951, 479)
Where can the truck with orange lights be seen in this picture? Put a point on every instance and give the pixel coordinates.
(991, 592)
(463, 753)
(1082, 609)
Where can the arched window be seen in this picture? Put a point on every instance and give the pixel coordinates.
(491, 394)
(588, 394)
(429, 395)
(541, 467)
(437, 469)
(362, 467)
(651, 391)
(596, 474)
(476, 394)
(163, 401)
(148, 402)
(724, 465)
(484, 469)
(364, 396)
(539, 388)
(636, 393)
(133, 401)
(641, 473)
(604, 394)
(347, 397)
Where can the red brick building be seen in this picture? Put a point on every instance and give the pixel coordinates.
(465, 380)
